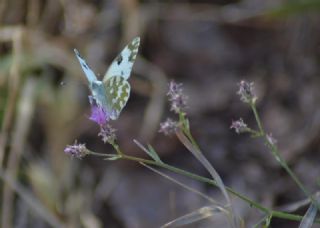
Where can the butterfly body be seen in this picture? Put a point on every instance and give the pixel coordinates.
(112, 93)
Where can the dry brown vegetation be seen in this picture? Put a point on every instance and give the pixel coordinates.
(209, 46)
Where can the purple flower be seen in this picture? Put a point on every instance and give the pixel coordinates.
(99, 115)
(176, 97)
(168, 127)
(246, 92)
(239, 126)
(77, 150)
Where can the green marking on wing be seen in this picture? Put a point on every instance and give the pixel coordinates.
(133, 47)
(118, 92)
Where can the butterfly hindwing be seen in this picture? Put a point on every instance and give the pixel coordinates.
(117, 91)
(123, 63)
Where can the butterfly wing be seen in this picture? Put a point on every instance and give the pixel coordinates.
(86, 69)
(118, 91)
(115, 80)
(97, 87)
(113, 92)
(123, 63)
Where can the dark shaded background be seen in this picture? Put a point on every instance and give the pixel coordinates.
(209, 46)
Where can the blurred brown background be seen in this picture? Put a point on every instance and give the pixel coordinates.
(209, 46)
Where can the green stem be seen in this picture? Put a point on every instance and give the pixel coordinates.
(253, 133)
(256, 115)
(273, 213)
(186, 129)
(116, 147)
(276, 153)
(101, 154)
(284, 165)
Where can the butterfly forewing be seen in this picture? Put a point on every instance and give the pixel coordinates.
(122, 64)
(117, 91)
(86, 69)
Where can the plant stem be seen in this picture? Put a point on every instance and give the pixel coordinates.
(186, 129)
(101, 154)
(273, 213)
(116, 147)
(256, 115)
(276, 153)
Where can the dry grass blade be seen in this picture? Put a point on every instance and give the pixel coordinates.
(31, 201)
(182, 184)
(21, 127)
(198, 154)
(294, 206)
(297, 205)
(15, 35)
(20, 131)
(308, 218)
(202, 213)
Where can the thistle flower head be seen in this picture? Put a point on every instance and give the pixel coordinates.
(168, 127)
(98, 114)
(107, 133)
(239, 126)
(76, 150)
(176, 97)
(246, 92)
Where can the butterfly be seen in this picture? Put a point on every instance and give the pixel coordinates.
(112, 93)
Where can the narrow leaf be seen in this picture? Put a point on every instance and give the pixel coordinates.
(309, 217)
(150, 151)
(264, 222)
(198, 154)
(194, 216)
(112, 158)
(33, 202)
(294, 206)
(182, 184)
(216, 177)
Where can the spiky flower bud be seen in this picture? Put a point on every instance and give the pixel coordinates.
(107, 133)
(176, 97)
(239, 126)
(246, 92)
(77, 150)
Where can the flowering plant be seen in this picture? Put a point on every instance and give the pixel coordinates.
(181, 128)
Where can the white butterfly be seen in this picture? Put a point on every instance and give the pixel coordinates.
(112, 93)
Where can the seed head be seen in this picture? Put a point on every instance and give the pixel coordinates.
(176, 97)
(76, 150)
(107, 133)
(246, 92)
